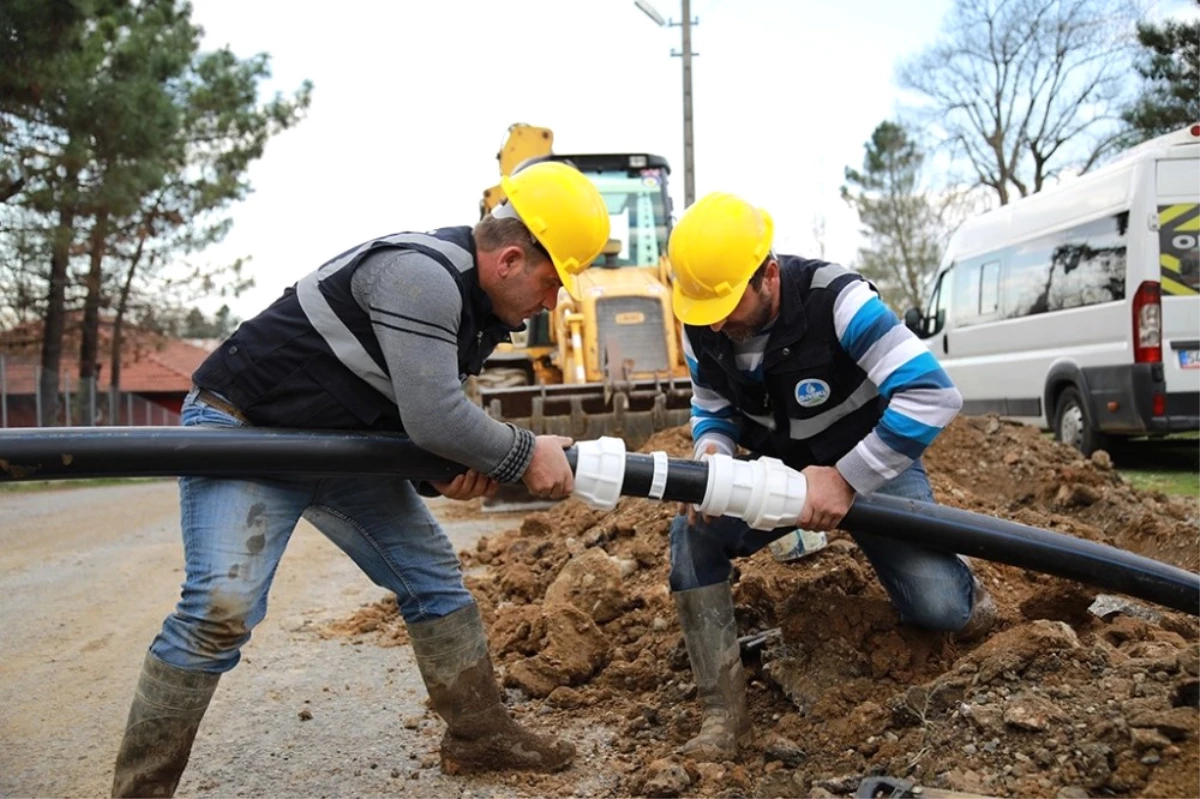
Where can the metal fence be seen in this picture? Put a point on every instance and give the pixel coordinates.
(21, 402)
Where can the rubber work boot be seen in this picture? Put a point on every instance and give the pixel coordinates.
(710, 633)
(163, 719)
(453, 657)
(983, 615)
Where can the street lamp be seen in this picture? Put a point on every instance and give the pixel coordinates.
(651, 12)
(689, 177)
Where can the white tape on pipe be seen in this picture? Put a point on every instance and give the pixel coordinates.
(658, 483)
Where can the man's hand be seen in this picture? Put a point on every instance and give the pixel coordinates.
(549, 476)
(687, 508)
(829, 497)
(468, 485)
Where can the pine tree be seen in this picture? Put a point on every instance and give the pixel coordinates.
(1170, 65)
(902, 226)
(121, 146)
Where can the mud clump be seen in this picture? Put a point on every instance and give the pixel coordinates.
(1056, 701)
(564, 646)
(592, 581)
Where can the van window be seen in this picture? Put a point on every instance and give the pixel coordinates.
(1082, 266)
(1092, 264)
(989, 288)
(935, 318)
(976, 291)
(965, 302)
(1179, 247)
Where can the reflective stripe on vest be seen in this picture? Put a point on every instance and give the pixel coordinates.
(333, 330)
(802, 429)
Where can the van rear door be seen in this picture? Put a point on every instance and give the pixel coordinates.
(1178, 198)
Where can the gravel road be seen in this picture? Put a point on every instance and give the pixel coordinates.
(87, 575)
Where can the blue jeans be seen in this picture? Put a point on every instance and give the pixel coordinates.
(930, 588)
(235, 532)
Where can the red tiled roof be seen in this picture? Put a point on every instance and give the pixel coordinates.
(151, 363)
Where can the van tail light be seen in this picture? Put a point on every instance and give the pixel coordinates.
(1147, 323)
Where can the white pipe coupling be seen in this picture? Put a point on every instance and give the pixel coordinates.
(658, 483)
(764, 493)
(599, 472)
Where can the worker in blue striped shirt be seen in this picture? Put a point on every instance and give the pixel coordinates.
(798, 359)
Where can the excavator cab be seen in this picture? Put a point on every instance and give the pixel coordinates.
(634, 187)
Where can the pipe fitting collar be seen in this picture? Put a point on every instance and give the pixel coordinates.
(600, 472)
(658, 483)
(764, 493)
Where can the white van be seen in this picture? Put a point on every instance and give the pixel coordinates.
(1078, 308)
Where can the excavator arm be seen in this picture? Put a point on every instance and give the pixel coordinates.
(522, 142)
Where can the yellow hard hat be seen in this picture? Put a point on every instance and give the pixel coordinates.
(717, 246)
(565, 213)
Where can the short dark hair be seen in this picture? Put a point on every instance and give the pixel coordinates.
(493, 233)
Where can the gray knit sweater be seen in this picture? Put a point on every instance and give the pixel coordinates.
(415, 309)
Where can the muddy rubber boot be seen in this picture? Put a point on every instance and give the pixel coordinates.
(453, 657)
(163, 720)
(983, 615)
(710, 633)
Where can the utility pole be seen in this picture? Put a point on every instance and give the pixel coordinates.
(689, 155)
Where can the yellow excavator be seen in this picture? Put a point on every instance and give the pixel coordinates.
(611, 363)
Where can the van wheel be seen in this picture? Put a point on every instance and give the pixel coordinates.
(1071, 424)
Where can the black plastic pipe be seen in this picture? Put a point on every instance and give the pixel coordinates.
(73, 453)
(971, 534)
(981, 536)
(66, 453)
(686, 480)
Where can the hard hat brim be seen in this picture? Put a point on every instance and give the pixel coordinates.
(570, 282)
(569, 257)
(706, 312)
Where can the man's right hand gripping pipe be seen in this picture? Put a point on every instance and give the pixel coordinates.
(549, 474)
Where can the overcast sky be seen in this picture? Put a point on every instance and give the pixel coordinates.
(412, 100)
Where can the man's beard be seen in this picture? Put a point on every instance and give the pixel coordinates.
(739, 334)
(744, 331)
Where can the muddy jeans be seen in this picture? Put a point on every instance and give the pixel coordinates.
(235, 532)
(930, 588)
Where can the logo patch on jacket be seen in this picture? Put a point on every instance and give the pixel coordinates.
(811, 392)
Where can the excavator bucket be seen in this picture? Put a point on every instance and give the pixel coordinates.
(587, 411)
(632, 411)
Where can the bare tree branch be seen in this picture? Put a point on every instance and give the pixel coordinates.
(12, 190)
(1026, 89)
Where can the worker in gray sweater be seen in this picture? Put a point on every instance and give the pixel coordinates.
(381, 337)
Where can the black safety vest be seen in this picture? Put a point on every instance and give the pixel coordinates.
(814, 403)
(312, 360)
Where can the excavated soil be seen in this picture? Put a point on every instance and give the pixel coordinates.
(1058, 700)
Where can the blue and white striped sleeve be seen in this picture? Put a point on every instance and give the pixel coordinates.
(714, 419)
(921, 398)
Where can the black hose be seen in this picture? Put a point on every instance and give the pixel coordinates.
(971, 534)
(70, 453)
(987, 537)
(687, 480)
(65, 453)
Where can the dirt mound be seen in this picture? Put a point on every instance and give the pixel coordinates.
(1056, 701)
(1010, 470)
